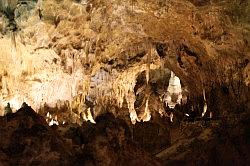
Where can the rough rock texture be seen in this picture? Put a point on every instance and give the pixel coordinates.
(26, 139)
(67, 50)
(80, 60)
(217, 142)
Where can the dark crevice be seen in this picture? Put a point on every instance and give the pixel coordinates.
(161, 49)
(126, 62)
(190, 52)
(137, 57)
(180, 62)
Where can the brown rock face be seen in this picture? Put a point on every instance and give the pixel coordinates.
(200, 2)
(26, 139)
(214, 142)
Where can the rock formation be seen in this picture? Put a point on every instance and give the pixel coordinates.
(161, 62)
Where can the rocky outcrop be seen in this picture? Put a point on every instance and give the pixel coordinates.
(26, 139)
(222, 142)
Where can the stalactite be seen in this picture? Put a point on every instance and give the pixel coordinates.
(5, 91)
(13, 40)
(52, 84)
(148, 63)
(205, 103)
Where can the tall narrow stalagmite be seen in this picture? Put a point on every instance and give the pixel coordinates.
(205, 103)
(174, 91)
(147, 115)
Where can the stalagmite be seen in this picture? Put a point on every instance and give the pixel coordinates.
(174, 89)
(171, 117)
(7, 109)
(89, 116)
(211, 115)
(47, 115)
(146, 117)
(130, 98)
(53, 122)
(205, 104)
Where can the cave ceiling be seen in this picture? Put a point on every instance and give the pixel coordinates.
(109, 51)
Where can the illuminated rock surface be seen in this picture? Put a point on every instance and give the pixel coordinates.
(160, 62)
(61, 50)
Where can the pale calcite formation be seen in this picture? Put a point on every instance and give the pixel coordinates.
(147, 115)
(33, 77)
(205, 104)
(174, 90)
(88, 116)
